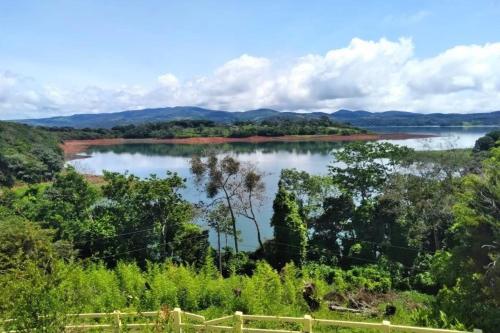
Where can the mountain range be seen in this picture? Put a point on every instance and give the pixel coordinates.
(356, 118)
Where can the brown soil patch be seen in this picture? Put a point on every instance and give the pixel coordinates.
(73, 147)
(94, 179)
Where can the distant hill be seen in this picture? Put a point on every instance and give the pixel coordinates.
(402, 118)
(356, 118)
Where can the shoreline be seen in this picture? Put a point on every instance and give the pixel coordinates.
(72, 148)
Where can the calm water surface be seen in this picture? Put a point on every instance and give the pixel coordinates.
(313, 157)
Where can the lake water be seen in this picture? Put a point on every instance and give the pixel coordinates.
(313, 157)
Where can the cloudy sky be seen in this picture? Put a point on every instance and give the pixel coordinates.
(60, 57)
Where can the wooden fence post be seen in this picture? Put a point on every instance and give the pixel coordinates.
(117, 321)
(308, 324)
(238, 322)
(177, 313)
(387, 326)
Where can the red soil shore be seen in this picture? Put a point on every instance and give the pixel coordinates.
(73, 147)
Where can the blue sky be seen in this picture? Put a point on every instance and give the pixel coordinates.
(53, 51)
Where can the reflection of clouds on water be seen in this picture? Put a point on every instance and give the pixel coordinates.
(438, 143)
(83, 167)
(446, 137)
(137, 164)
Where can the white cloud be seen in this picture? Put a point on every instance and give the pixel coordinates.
(168, 81)
(370, 75)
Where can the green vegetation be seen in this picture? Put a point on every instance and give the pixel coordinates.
(27, 154)
(487, 142)
(363, 236)
(205, 128)
(290, 233)
(32, 154)
(95, 288)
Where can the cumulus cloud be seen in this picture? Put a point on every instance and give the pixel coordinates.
(371, 75)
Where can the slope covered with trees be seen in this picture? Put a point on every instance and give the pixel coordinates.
(28, 154)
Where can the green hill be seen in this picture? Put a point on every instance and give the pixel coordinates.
(355, 118)
(27, 154)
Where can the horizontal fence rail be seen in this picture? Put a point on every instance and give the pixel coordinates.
(178, 321)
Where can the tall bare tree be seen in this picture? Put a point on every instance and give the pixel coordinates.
(251, 195)
(218, 218)
(239, 185)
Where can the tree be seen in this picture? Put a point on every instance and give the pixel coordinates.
(6, 176)
(332, 230)
(218, 218)
(309, 190)
(290, 232)
(67, 205)
(35, 298)
(219, 175)
(22, 241)
(250, 195)
(471, 274)
(361, 168)
(149, 215)
(226, 179)
(487, 141)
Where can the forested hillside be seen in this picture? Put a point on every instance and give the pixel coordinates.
(28, 154)
(416, 248)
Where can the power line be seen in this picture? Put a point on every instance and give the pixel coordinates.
(148, 247)
(383, 244)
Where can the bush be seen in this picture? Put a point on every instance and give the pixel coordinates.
(371, 278)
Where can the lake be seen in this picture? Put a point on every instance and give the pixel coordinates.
(271, 157)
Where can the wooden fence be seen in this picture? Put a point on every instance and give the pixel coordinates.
(178, 321)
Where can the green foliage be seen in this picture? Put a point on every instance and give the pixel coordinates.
(71, 288)
(361, 168)
(290, 232)
(150, 219)
(35, 298)
(27, 154)
(369, 278)
(203, 128)
(22, 242)
(331, 229)
(309, 190)
(470, 273)
(433, 229)
(67, 205)
(129, 218)
(487, 141)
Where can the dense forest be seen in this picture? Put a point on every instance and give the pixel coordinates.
(417, 247)
(206, 128)
(28, 154)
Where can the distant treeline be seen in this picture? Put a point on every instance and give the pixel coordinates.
(207, 128)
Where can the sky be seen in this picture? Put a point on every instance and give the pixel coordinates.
(65, 57)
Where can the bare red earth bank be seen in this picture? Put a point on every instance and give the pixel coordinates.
(73, 147)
